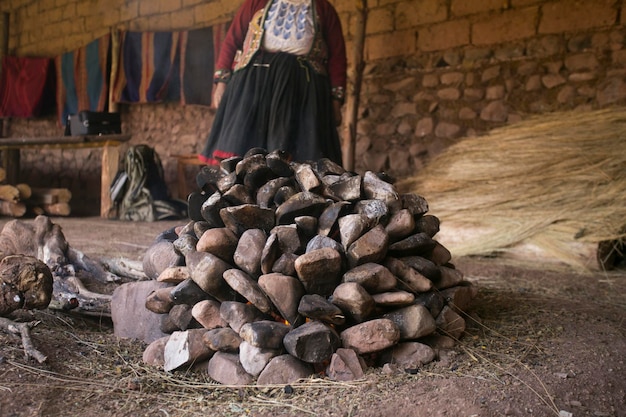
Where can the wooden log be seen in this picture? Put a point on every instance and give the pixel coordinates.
(25, 191)
(57, 209)
(8, 208)
(23, 329)
(9, 193)
(50, 196)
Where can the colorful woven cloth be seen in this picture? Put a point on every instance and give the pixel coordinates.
(83, 78)
(167, 66)
(26, 87)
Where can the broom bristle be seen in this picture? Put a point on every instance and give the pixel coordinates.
(549, 181)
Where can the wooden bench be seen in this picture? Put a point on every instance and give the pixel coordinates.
(110, 145)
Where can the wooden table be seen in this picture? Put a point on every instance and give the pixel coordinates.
(110, 145)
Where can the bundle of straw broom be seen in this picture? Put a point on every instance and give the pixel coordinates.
(551, 188)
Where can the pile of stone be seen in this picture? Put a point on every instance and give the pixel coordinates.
(290, 269)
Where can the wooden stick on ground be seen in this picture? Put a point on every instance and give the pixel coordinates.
(23, 329)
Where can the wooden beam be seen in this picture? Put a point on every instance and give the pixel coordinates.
(356, 79)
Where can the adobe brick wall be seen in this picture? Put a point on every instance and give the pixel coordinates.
(437, 70)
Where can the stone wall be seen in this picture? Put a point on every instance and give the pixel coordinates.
(436, 71)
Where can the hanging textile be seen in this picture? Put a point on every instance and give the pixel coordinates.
(26, 87)
(167, 66)
(149, 67)
(83, 78)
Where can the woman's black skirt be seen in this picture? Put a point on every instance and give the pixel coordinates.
(278, 102)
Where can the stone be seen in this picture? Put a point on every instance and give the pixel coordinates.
(416, 204)
(285, 293)
(393, 298)
(210, 209)
(352, 227)
(306, 178)
(319, 270)
(371, 247)
(376, 189)
(238, 194)
(180, 316)
(345, 365)
(207, 271)
(401, 224)
(222, 339)
(440, 255)
(174, 274)
(160, 256)
(371, 336)
(374, 277)
(285, 265)
(207, 313)
(237, 314)
(185, 348)
(266, 193)
(129, 300)
(348, 188)
(248, 288)
(376, 211)
(247, 216)
(328, 219)
(450, 323)
(226, 369)
(301, 204)
(410, 355)
(450, 277)
(265, 334)
(154, 354)
(185, 243)
(424, 266)
(460, 298)
(316, 307)
(219, 241)
(254, 359)
(160, 301)
(416, 244)
(414, 321)
(428, 224)
(353, 300)
(409, 278)
(284, 369)
(187, 292)
(313, 342)
(289, 240)
(495, 111)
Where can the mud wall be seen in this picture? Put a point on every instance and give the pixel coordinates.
(436, 71)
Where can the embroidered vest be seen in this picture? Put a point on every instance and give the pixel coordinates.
(317, 56)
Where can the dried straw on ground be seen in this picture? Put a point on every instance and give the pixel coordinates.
(552, 187)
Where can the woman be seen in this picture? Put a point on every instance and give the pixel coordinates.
(281, 77)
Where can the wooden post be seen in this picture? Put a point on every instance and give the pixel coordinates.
(354, 87)
(110, 165)
(10, 157)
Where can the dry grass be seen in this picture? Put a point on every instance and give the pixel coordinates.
(555, 183)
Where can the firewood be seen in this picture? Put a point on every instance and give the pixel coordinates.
(23, 329)
(50, 196)
(9, 193)
(25, 191)
(13, 209)
(57, 209)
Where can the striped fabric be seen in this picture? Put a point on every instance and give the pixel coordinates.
(167, 66)
(83, 78)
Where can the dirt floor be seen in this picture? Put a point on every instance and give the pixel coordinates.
(539, 342)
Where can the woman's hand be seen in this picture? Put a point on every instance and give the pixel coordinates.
(217, 95)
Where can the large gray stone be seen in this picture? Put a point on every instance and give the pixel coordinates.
(131, 318)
